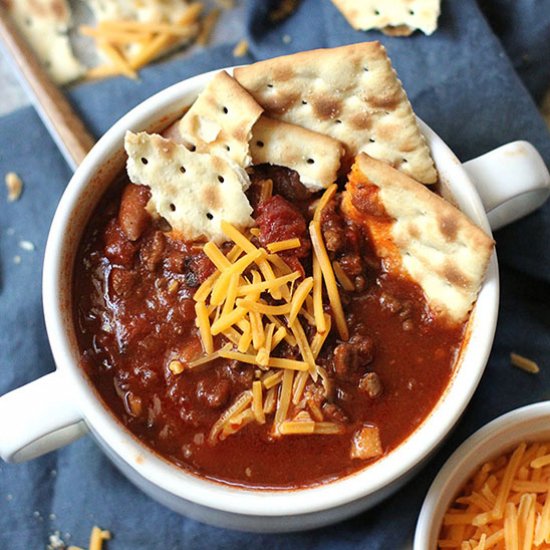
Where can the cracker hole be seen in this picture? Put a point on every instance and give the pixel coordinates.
(209, 216)
(228, 148)
(144, 160)
(260, 143)
(192, 147)
(411, 12)
(221, 179)
(28, 21)
(310, 161)
(372, 140)
(376, 12)
(182, 169)
(270, 85)
(366, 69)
(172, 207)
(404, 161)
(225, 110)
(338, 121)
(304, 102)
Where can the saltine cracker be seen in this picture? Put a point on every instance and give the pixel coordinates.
(350, 93)
(419, 235)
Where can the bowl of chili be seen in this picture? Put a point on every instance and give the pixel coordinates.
(296, 489)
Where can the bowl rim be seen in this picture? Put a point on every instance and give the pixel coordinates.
(254, 502)
(500, 435)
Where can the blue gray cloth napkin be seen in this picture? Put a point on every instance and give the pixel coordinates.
(464, 81)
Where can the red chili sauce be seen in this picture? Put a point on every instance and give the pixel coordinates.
(134, 313)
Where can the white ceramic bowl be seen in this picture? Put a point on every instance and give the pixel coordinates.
(530, 423)
(65, 405)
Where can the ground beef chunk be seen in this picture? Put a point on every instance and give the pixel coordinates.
(371, 384)
(214, 393)
(118, 248)
(197, 269)
(333, 413)
(344, 243)
(122, 281)
(286, 182)
(351, 358)
(151, 252)
(333, 227)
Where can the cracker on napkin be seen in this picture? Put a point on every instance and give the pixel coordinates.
(314, 156)
(395, 17)
(45, 25)
(419, 235)
(350, 93)
(193, 191)
(220, 120)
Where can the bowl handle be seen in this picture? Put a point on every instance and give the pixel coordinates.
(512, 182)
(38, 418)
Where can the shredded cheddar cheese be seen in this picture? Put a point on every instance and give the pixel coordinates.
(129, 45)
(505, 504)
(328, 276)
(288, 244)
(343, 279)
(97, 538)
(523, 363)
(256, 302)
(241, 49)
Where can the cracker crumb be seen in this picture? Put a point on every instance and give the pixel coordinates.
(17, 260)
(10, 231)
(283, 10)
(52, 517)
(523, 363)
(248, 472)
(9, 497)
(14, 186)
(27, 245)
(241, 49)
(56, 542)
(287, 39)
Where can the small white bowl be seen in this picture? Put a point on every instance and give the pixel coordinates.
(530, 423)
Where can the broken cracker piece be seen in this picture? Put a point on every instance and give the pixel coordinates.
(419, 235)
(220, 120)
(395, 18)
(45, 25)
(314, 156)
(14, 186)
(193, 191)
